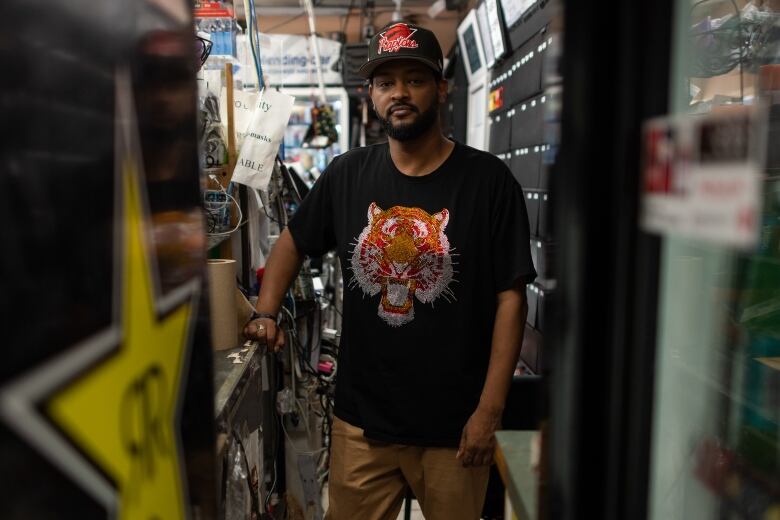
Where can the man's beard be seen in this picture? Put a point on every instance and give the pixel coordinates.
(413, 130)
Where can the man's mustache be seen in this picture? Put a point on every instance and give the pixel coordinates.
(401, 106)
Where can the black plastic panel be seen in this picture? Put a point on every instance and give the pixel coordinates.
(500, 132)
(531, 351)
(525, 167)
(543, 254)
(526, 164)
(524, 75)
(532, 205)
(528, 122)
(532, 297)
(543, 295)
(506, 158)
(544, 214)
(353, 56)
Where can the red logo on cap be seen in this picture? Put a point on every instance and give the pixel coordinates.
(396, 37)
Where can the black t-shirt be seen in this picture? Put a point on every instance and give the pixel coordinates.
(423, 259)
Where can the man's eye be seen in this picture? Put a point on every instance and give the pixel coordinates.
(416, 81)
(384, 84)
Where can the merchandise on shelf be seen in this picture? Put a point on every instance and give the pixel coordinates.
(216, 22)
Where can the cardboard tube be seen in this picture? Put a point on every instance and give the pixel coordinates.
(244, 311)
(222, 301)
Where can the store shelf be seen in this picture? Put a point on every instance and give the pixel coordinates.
(513, 459)
(216, 239)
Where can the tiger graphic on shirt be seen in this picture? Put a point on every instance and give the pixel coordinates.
(403, 253)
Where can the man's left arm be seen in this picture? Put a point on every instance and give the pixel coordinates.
(477, 442)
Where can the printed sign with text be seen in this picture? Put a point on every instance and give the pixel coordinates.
(702, 176)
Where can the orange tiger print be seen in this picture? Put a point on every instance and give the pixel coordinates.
(403, 253)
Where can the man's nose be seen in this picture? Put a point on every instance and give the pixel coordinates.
(400, 92)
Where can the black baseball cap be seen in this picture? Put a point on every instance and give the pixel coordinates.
(400, 40)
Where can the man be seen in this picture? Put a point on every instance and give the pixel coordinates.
(434, 243)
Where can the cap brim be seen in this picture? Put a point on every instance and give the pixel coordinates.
(368, 68)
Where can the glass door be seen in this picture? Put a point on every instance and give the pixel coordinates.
(715, 451)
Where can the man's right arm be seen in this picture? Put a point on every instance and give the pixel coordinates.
(281, 269)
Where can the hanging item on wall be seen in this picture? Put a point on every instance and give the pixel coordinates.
(288, 59)
(244, 105)
(322, 131)
(212, 141)
(262, 140)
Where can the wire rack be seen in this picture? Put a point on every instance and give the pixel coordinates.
(748, 38)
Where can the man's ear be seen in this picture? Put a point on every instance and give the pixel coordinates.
(443, 90)
(371, 94)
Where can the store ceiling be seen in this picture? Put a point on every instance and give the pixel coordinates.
(334, 7)
(344, 3)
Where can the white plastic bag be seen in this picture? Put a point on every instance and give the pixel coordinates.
(244, 104)
(262, 140)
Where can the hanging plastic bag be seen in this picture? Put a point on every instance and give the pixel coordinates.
(244, 104)
(262, 140)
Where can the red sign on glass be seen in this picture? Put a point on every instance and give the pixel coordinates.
(702, 176)
(496, 100)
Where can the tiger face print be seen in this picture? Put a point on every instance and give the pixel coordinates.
(403, 253)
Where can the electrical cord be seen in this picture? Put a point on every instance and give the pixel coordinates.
(304, 415)
(287, 179)
(240, 219)
(323, 386)
(273, 484)
(272, 219)
(292, 444)
(332, 303)
(211, 222)
(303, 359)
(275, 450)
(254, 41)
(346, 18)
(241, 222)
(362, 14)
(296, 343)
(265, 208)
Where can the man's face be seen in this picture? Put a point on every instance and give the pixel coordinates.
(406, 98)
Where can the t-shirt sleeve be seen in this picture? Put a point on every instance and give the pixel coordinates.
(312, 226)
(510, 237)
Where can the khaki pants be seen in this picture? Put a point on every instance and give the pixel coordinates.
(368, 479)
